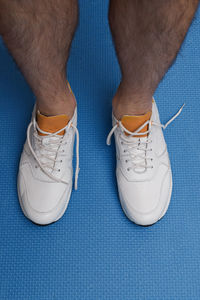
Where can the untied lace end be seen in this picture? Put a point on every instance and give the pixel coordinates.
(174, 117)
(77, 158)
(108, 140)
(137, 132)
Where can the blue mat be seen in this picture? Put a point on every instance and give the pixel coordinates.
(94, 252)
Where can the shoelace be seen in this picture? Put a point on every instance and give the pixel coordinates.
(52, 147)
(136, 149)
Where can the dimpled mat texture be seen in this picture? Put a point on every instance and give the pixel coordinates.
(94, 252)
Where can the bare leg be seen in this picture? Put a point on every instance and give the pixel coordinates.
(147, 36)
(38, 35)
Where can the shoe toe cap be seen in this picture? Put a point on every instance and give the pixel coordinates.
(145, 203)
(42, 202)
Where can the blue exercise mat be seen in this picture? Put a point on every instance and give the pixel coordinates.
(94, 252)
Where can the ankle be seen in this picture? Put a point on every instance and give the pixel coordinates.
(60, 103)
(128, 102)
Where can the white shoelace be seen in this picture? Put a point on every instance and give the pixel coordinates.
(137, 148)
(50, 150)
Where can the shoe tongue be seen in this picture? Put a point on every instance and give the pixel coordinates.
(132, 123)
(52, 124)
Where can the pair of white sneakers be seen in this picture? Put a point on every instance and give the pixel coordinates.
(143, 170)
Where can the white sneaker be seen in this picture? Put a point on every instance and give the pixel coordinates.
(46, 172)
(143, 169)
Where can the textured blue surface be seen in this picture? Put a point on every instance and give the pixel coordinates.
(94, 252)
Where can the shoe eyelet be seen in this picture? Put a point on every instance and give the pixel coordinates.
(126, 161)
(58, 170)
(128, 169)
(61, 161)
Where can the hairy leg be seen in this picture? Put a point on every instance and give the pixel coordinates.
(147, 36)
(38, 35)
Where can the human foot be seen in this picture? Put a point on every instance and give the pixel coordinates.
(143, 168)
(45, 170)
